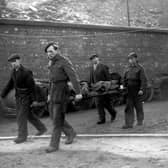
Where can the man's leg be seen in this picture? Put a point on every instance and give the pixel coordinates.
(67, 128)
(129, 114)
(22, 106)
(139, 111)
(58, 123)
(101, 112)
(34, 120)
(69, 132)
(109, 106)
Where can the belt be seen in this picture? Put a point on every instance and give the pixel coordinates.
(60, 81)
(22, 89)
(133, 84)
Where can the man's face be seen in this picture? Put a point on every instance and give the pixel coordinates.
(15, 64)
(51, 52)
(132, 60)
(95, 60)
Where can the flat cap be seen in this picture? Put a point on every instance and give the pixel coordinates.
(93, 56)
(132, 55)
(54, 44)
(13, 57)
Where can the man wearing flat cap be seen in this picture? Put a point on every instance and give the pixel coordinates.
(22, 81)
(100, 72)
(13, 58)
(135, 81)
(61, 72)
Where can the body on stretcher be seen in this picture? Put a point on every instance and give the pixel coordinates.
(101, 88)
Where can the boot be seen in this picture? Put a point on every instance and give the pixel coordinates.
(19, 140)
(140, 123)
(101, 122)
(127, 126)
(51, 149)
(70, 138)
(41, 132)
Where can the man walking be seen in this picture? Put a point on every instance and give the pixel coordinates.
(136, 82)
(22, 81)
(60, 72)
(100, 72)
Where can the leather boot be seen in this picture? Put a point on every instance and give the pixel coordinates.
(140, 123)
(19, 140)
(51, 149)
(127, 126)
(70, 138)
(41, 132)
(101, 122)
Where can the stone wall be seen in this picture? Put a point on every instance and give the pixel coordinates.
(78, 42)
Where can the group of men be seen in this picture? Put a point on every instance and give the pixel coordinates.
(61, 71)
(135, 82)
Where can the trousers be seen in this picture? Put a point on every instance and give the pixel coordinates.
(25, 114)
(57, 113)
(105, 102)
(133, 102)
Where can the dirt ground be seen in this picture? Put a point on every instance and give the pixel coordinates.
(87, 153)
(156, 121)
(114, 152)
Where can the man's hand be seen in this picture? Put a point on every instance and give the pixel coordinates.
(78, 97)
(48, 98)
(140, 93)
(38, 104)
(121, 87)
(34, 104)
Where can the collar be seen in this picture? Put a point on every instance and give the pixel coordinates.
(18, 69)
(133, 65)
(96, 64)
(56, 58)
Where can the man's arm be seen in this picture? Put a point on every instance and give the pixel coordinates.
(124, 81)
(31, 84)
(143, 79)
(106, 72)
(89, 77)
(71, 73)
(8, 88)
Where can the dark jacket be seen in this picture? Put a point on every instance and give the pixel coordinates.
(60, 72)
(21, 80)
(100, 74)
(135, 76)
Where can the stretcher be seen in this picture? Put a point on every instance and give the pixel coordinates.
(101, 88)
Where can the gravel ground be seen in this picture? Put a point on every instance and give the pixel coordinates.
(87, 153)
(156, 121)
(123, 152)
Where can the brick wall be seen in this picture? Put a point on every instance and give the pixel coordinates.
(79, 41)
